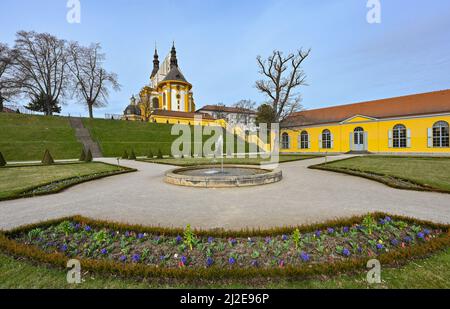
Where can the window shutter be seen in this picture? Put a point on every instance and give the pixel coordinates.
(332, 140)
(391, 144)
(366, 140)
(320, 142)
(408, 138)
(430, 137)
(309, 143)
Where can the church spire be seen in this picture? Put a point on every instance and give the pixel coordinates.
(173, 57)
(155, 63)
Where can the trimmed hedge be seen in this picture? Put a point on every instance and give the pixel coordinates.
(392, 258)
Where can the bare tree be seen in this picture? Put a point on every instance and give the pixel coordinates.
(283, 75)
(244, 107)
(91, 80)
(40, 68)
(7, 90)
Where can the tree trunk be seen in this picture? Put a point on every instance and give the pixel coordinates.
(91, 114)
(1, 104)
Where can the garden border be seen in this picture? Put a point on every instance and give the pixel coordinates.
(417, 186)
(27, 192)
(392, 258)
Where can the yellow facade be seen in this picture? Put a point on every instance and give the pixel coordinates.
(378, 136)
(183, 120)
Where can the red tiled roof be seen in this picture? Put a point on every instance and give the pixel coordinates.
(176, 114)
(227, 109)
(410, 105)
(8, 110)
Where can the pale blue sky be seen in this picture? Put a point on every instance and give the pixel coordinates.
(218, 41)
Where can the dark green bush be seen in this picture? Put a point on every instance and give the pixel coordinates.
(125, 155)
(89, 156)
(47, 159)
(160, 155)
(150, 154)
(82, 156)
(132, 155)
(2, 160)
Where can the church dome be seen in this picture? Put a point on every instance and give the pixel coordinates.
(132, 110)
(175, 75)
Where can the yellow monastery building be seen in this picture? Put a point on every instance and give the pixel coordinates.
(168, 98)
(413, 124)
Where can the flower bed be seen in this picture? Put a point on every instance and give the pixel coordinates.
(341, 245)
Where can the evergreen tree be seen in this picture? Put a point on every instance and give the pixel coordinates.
(150, 154)
(125, 155)
(82, 155)
(88, 156)
(47, 159)
(2, 160)
(39, 104)
(160, 155)
(132, 155)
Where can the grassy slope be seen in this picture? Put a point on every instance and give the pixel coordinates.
(433, 272)
(207, 161)
(434, 172)
(25, 137)
(14, 180)
(116, 136)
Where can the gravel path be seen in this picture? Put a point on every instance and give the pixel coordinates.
(303, 196)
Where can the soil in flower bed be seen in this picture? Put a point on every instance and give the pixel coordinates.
(369, 238)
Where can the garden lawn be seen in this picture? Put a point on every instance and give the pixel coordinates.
(115, 136)
(242, 161)
(16, 180)
(427, 172)
(25, 137)
(433, 272)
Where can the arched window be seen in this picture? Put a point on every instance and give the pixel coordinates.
(304, 140)
(285, 142)
(441, 134)
(399, 137)
(155, 103)
(326, 139)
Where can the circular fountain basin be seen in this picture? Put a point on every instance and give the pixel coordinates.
(213, 177)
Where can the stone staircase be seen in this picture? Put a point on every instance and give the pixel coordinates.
(84, 137)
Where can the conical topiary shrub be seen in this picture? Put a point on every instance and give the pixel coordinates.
(160, 155)
(47, 159)
(82, 155)
(132, 155)
(2, 160)
(150, 154)
(88, 156)
(125, 155)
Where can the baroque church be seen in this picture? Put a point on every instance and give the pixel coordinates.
(168, 97)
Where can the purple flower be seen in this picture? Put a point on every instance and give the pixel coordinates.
(231, 260)
(210, 240)
(267, 240)
(346, 252)
(284, 237)
(123, 258)
(394, 242)
(233, 241)
(388, 219)
(162, 257)
(136, 258)
(178, 239)
(427, 231)
(318, 233)
(184, 260)
(254, 263)
(87, 228)
(379, 246)
(382, 221)
(330, 230)
(127, 234)
(421, 235)
(345, 229)
(209, 261)
(140, 236)
(104, 251)
(77, 226)
(157, 239)
(304, 256)
(64, 248)
(407, 239)
(359, 249)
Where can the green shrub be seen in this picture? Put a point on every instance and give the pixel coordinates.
(132, 155)
(2, 160)
(82, 155)
(150, 154)
(160, 155)
(89, 156)
(47, 159)
(125, 155)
